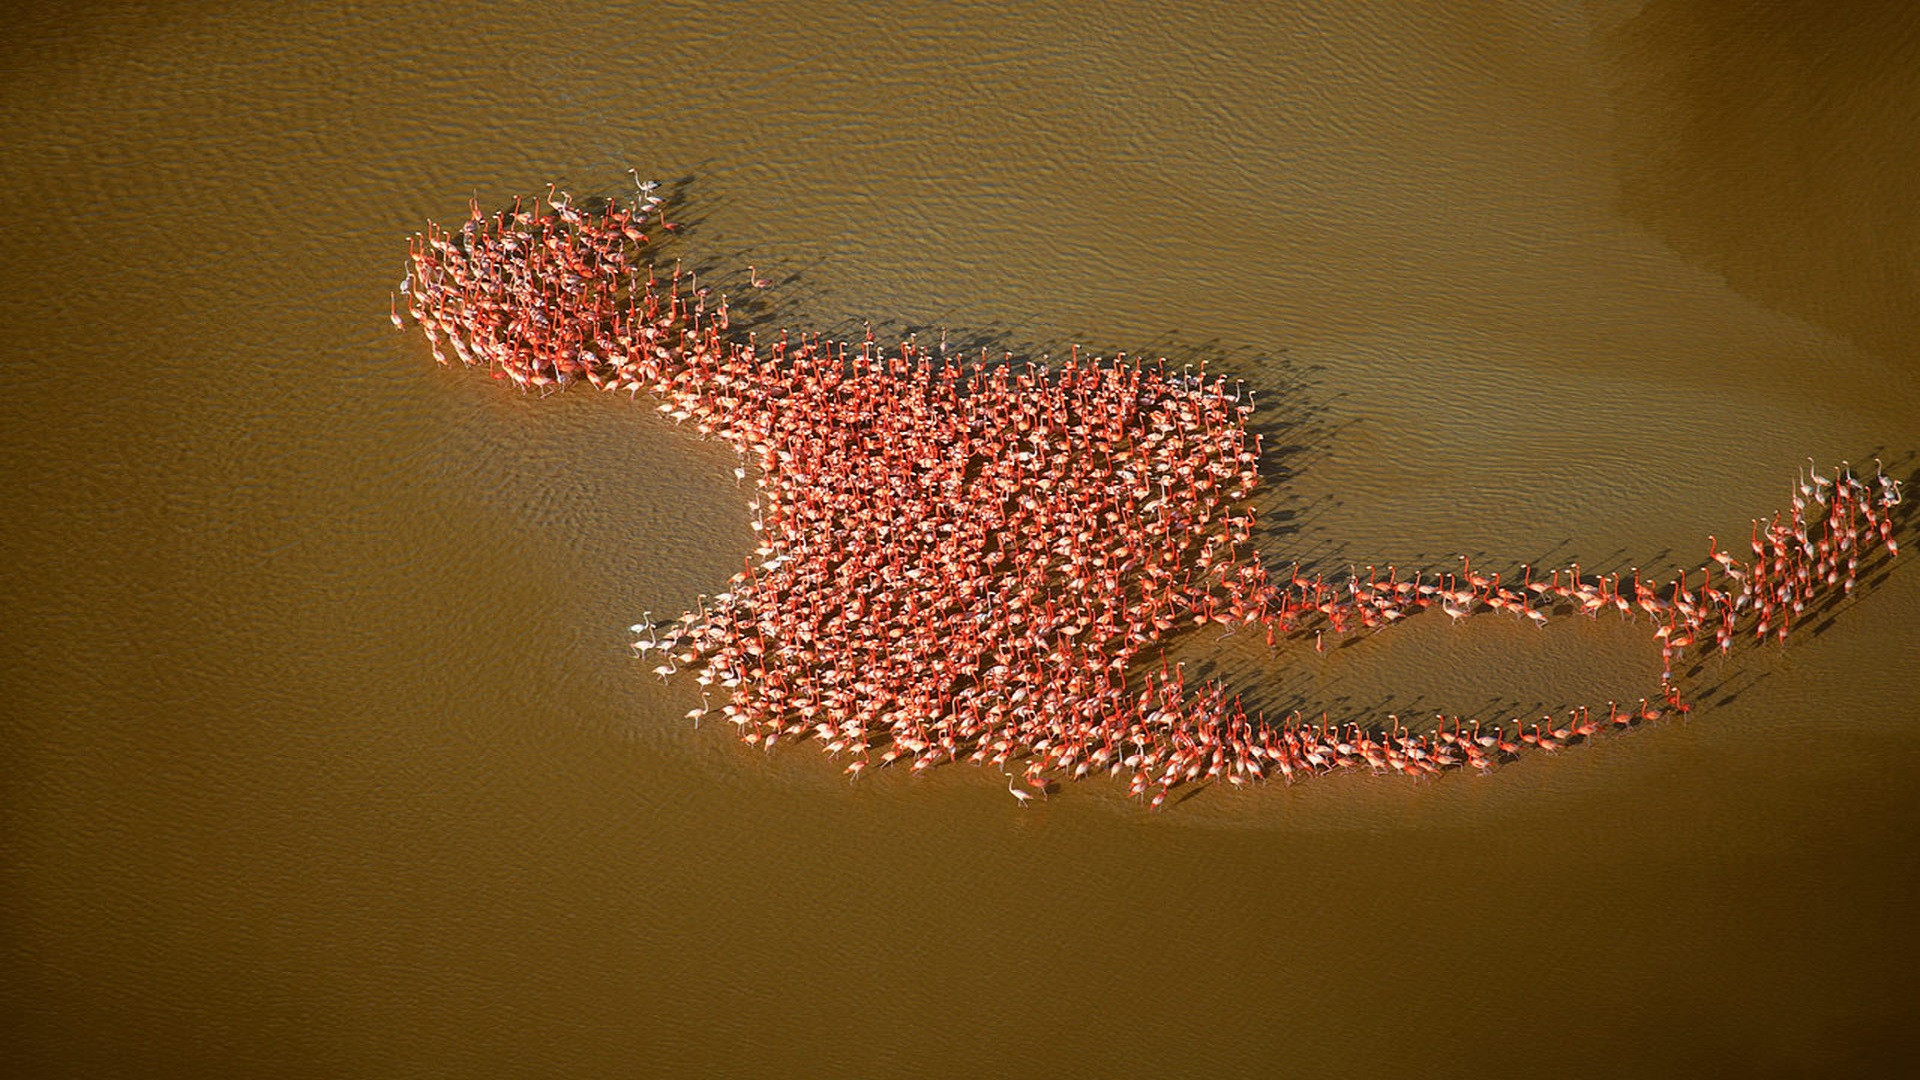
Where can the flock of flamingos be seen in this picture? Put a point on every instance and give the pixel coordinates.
(965, 560)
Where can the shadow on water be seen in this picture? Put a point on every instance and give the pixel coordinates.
(1824, 101)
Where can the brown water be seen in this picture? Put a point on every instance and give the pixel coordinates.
(323, 752)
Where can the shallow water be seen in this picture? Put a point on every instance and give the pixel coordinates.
(325, 755)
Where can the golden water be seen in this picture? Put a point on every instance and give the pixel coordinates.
(324, 755)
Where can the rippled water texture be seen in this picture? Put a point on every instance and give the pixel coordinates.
(325, 755)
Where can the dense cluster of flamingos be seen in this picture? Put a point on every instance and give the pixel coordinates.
(961, 559)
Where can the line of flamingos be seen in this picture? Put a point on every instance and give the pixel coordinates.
(961, 559)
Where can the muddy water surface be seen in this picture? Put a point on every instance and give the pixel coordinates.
(324, 754)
